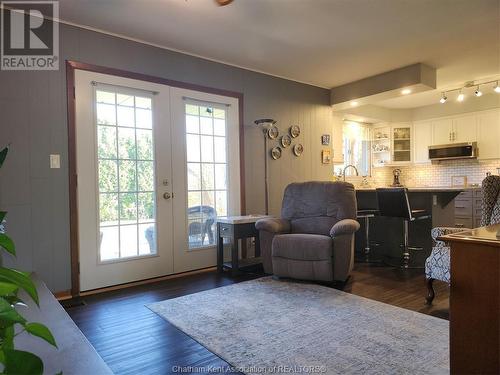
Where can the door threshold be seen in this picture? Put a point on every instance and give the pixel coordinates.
(145, 281)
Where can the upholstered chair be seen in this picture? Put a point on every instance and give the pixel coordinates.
(314, 238)
(437, 265)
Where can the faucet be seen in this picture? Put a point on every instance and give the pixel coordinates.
(351, 166)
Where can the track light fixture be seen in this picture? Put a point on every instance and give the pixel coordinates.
(497, 88)
(478, 92)
(468, 85)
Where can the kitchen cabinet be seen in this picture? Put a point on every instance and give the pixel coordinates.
(488, 134)
(454, 130)
(422, 139)
(442, 130)
(401, 143)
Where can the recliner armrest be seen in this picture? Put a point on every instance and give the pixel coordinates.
(345, 226)
(273, 225)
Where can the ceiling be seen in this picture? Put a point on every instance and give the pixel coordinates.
(322, 42)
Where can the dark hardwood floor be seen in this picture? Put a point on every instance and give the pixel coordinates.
(134, 340)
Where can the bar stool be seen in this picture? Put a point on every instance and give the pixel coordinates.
(394, 202)
(366, 215)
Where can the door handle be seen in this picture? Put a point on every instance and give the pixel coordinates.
(167, 195)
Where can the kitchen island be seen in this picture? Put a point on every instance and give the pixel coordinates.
(388, 232)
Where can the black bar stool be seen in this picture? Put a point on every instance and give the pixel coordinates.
(366, 215)
(394, 202)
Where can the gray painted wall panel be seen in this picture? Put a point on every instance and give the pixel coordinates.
(33, 118)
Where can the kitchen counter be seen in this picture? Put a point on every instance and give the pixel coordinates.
(426, 189)
(387, 231)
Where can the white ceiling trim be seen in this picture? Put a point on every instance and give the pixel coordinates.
(121, 36)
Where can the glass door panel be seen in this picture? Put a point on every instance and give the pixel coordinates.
(126, 175)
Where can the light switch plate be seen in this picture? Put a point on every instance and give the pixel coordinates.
(55, 161)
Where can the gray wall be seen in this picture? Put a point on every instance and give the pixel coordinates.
(33, 119)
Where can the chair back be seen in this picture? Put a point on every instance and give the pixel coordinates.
(394, 202)
(314, 207)
(491, 201)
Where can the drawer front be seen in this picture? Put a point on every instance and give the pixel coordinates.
(478, 202)
(225, 230)
(463, 207)
(478, 212)
(463, 222)
(464, 195)
(477, 222)
(478, 193)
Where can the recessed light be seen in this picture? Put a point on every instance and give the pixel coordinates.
(460, 97)
(406, 91)
(354, 103)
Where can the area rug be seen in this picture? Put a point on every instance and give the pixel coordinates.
(269, 326)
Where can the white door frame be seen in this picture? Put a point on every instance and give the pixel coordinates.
(94, 273)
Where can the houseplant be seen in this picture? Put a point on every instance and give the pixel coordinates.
(12, 323)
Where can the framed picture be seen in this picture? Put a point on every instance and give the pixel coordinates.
(325, 139)
(326, 156)
(458, 181)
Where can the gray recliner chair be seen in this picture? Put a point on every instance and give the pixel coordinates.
(314, 239)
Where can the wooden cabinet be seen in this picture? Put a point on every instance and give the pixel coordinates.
(488, 134)
(422, 139)
(464, 129)
(401, 143)
(468, 209)
(454, 130)
(442, 130)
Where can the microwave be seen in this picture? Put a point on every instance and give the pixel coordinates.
(467, 150)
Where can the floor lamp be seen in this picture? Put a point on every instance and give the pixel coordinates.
(265, 124)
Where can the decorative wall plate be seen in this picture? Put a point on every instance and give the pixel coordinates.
(273, 132)
(286, 141)
(294, 131)
(298, 149)
(276, 153)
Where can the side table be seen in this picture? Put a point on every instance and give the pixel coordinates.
(236, 228)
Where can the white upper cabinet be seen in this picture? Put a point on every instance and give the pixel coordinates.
(488, 134)
(422, 139)
(442, 131)
(464, 128)
(401, 143)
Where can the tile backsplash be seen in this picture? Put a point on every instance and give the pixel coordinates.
(437, 174)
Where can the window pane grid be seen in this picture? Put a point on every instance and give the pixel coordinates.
(133, 205)
(207, 166)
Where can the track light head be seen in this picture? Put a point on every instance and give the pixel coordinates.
(461, 96)
(478, 92)
(443, 98)
(497, 88)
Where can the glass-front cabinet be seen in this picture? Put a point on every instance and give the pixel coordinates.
(391, 144)
(401, 143)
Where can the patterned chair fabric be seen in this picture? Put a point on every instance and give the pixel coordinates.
(437, 265)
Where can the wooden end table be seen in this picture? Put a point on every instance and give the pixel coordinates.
(236, 228)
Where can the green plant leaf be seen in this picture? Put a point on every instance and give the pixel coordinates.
(7, 243)
(20, 362)
(39, 330)
(3, 155)
(8, 314)
(8, 339)
(7, 288)
(21, 279)
(2, 215)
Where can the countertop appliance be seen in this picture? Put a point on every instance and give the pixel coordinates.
(466, 150)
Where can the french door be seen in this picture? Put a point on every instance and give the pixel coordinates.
(154, 173)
